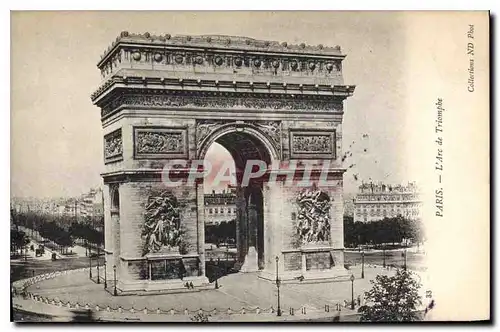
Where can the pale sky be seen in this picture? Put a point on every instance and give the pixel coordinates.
(56, 143)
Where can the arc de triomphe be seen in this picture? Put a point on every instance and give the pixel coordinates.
(168, 98)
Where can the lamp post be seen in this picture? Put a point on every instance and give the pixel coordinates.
(404, 254)
(227, 259)
(90, 266)
(217, 274)
(363, 265)
(352, 291)
(278, 283)
(114, 276)
(384, 255)
(98, 281)
(105, 274)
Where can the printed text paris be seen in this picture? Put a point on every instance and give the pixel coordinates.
(438, 163)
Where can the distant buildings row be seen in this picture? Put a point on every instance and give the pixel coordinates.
(220, 206)
(87, 205)
(375, 201)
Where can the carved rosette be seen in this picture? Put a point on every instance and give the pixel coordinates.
(160, 142)
(313, 218)
(161, 231)
(113, 147)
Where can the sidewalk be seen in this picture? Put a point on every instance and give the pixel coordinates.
(241, 297)
(63, 314)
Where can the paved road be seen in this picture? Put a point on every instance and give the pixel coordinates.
(236, 291)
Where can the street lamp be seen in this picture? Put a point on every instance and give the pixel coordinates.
(384, 255)
(363, 265)
(404, 254)
(98, 281)
(90, 266)
(352, 291)
(114, 276)
(278, 283)
(105, 274)
(216, 268)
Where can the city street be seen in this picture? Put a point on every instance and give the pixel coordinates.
(256, 292)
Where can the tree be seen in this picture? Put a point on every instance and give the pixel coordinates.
(200, 318)
(18, 240)
(392, 299)
(350, 236)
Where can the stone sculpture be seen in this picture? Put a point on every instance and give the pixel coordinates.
(162, 223)
(313, 216)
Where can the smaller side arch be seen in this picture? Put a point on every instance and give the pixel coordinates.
(115, 199)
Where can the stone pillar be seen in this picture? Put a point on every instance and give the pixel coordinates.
(115, 220)
(241, 225)
(337, 228)
(108, 233)
(273, 228)
(200, 197)
(250, 263)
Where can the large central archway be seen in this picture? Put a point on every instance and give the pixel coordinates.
(246, 143)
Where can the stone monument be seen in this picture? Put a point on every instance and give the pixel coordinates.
(168, 98)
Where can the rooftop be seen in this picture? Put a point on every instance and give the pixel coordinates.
(219, 42)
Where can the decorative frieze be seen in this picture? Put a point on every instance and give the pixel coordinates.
(113, 147)
(222, 102)
(313, 217)
(160, 143)
(313, 144)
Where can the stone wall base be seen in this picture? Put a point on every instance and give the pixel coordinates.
(152, 286)
(316, 276)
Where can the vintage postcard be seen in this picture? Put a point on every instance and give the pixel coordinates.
(250, 166)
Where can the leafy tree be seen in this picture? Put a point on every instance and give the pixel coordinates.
(392, 299)
(200, 318)
(350, 234)
(387, 230)
(18, 240)
(223, 232)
